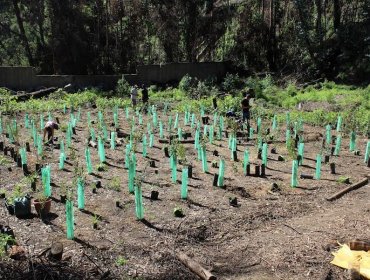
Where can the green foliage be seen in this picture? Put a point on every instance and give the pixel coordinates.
(123, 88)
(8, 102)
(115, 184)
(121, 261)
(232, 82)
(5, 239)
(187, 83)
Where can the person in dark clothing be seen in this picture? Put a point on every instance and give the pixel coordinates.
(246, 107)
(145, 98)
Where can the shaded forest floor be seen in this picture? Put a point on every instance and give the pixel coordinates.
(284, 233)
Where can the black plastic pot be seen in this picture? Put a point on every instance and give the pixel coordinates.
(152, 163)
(1, 146)
(10, 208)
(233, 201)
(215, 179)
(263, 170)
(326, 159)
(215, 153)
(118, 205)
(22, 206)
(248, 170)
(205, 120)
(166, 153)
(63, 199)
(332, 168)
(19, 161)
(33, 185)
(257, 171)
(190, 171)
(154, 195)
(259, 156)
(306, 176)
(273, 151)
(28, 148)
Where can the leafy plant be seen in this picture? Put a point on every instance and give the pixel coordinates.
(123, 88)
(121, 261)
(115, 184)
(102, 167)
(5, 239)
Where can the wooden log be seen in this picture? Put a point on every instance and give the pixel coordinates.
(356, 186)
(166, 141)
(36, 94)
(195, 267)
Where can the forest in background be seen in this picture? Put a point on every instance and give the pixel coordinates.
(308, 39)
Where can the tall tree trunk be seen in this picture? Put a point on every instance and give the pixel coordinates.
(337, 14)
(17, 12)
(318, 20)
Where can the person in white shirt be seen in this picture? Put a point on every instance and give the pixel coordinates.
(49, 128)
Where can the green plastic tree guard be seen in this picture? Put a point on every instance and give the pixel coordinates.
(221, 173)
(318, 167)
(352, 143)
(192, 120)
(69, 220)
(176, 124)
(338, 143)
(211, 134)
(23, 154)
(127, 112)
(1, 126)
(62, 150)
(88, 118)
(64, 109)
(251, 132)
(259, 125)
(80, 194)
(222, 123)
(169, 123)
(301, 152)
(264, 154)
(113, 140)
(287, 119)
(161, 135)
(245, 161)
(42, 122)
(131, 174)
(139, 203)
(61, 161)
(205, 130)
(294, 182)
(328, 135)
(92, 134)
(173, 162)
(45, 175)
(88, 161)
(287, 138)
(339, 123)
(115, 119)
(101, 150)
(274, 123)
(26, 121)
(184, 184)
(179, 133)
(100, 117)
(39, 145)
(144, 144)
(151, 140)
(204, 159)
(127, 155)
(140, 119)
(367, 152)
(196, 139)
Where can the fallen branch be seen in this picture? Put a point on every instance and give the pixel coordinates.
(195, 267)
(36, 94)
(356, 186)
(166, 141)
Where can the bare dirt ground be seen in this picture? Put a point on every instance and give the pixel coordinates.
(286, 234)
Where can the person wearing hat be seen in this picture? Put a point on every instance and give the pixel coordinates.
(49, 128)
(246, 106)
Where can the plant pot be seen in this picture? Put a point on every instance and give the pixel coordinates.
(205, 120)
(42, 208)
(152, 163)
(95, 226)
(97, 184)
(263, 170)
(235, 155)
(306, 176)
(25, 170)
(154, 195)
(233, 201)
(33, 186)
(273, 151)
(326, 159)
(94, 190)
(22, 206)
(248, 170)
(257, 171)
(1, 146)
(215, 180)
(332, 168)
(10, 208)
(215, 153)
(118, 205)
(63, 198)
(190, 171)
(38, 168)
(28, 148)
(166, 153)
(2, 195)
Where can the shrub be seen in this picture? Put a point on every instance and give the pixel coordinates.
(187, 83)
(123, 88)
(232, 82)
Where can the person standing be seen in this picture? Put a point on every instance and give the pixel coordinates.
(145, 95)
(134, 95)
(246, 107)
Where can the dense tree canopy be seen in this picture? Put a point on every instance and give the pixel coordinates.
(309, 38)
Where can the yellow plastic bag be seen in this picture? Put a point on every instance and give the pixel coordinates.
(349, 259)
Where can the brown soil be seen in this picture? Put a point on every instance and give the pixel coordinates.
(288, 234)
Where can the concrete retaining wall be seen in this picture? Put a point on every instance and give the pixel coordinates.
(26, 78)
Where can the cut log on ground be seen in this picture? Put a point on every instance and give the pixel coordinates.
(36, 94)
(195, 267)
(166, 141)
(356, 186)
(56, 251)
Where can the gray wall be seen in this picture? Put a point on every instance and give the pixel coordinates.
(26, 78)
